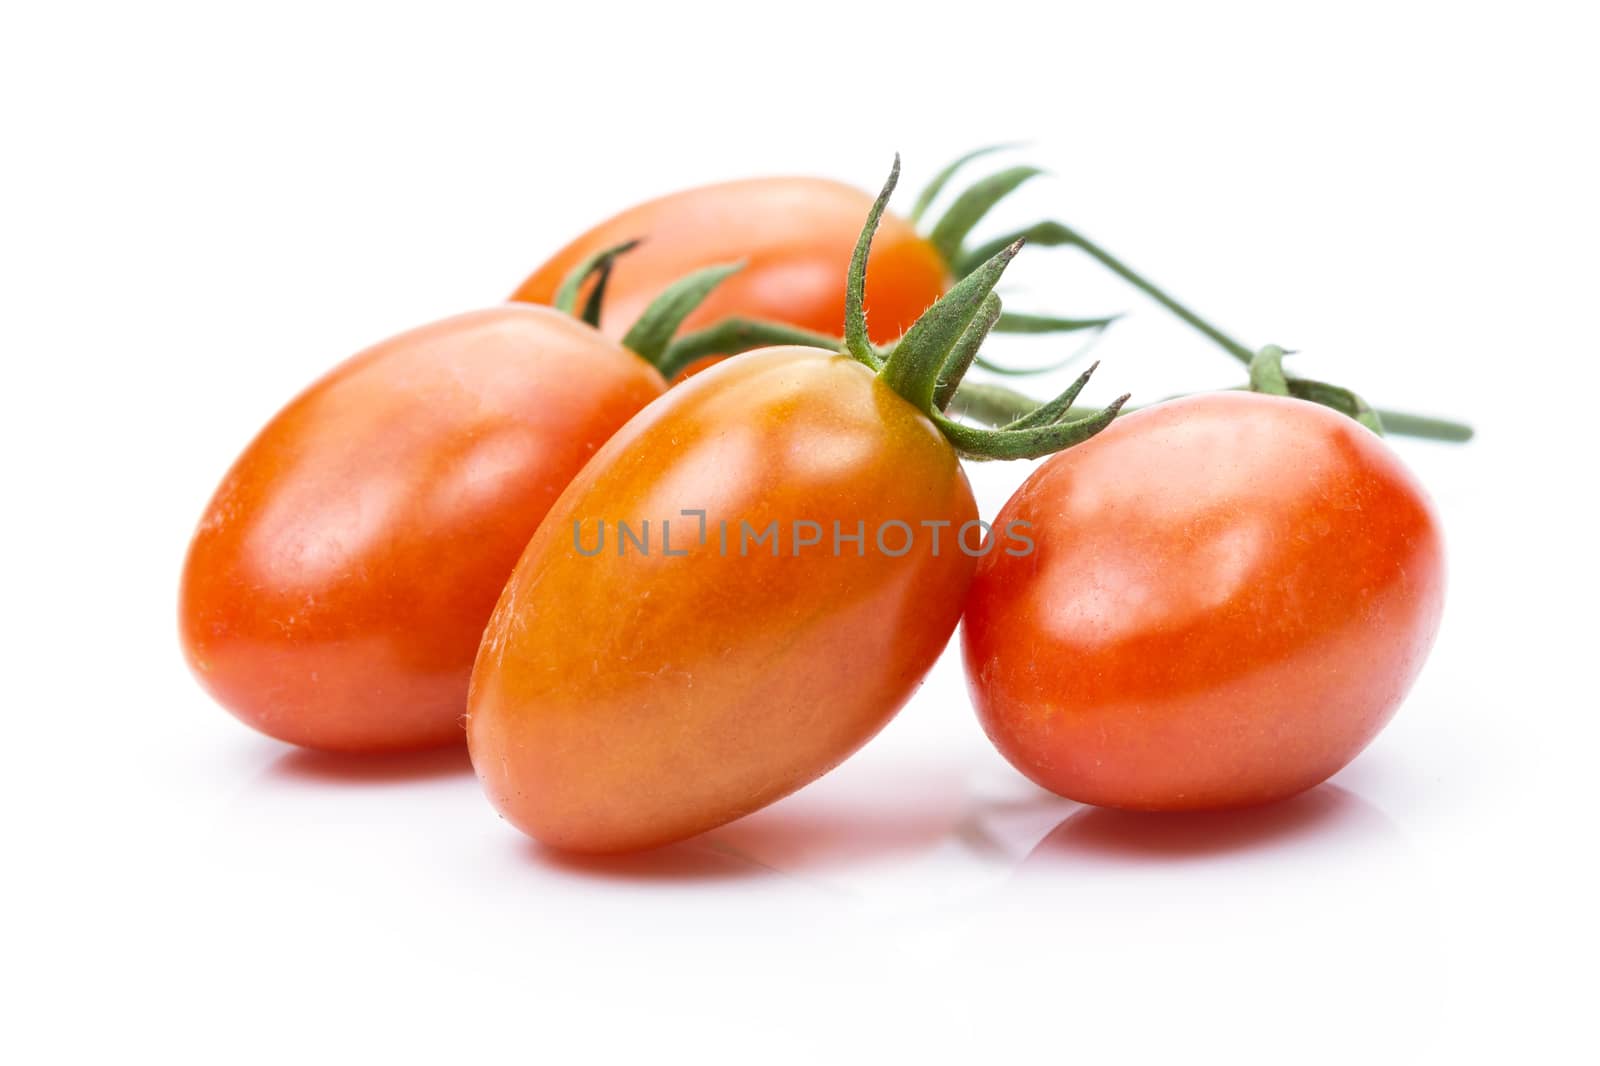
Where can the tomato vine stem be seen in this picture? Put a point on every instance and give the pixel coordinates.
(972, 205)
(996, 405)
(916, 362)
(1057, 234)
(1159, 295)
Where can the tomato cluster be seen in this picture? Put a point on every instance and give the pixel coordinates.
(649, 609)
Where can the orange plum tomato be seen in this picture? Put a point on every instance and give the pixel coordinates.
(794, 236)
(627, 697)
(338, 584)
(1228, 598)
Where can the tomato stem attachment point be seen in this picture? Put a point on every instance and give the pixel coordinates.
(1266, 372)
(926, 366)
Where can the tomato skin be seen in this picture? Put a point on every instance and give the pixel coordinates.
(338, 584)
(794, 235)
(1229, 598)
(620, 703)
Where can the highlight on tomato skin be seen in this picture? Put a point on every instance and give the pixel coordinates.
(338, 583)
(1230, 596)
(794, 236)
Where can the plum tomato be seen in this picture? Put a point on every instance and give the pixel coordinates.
(635, 696)
(336, 589)
(1228, 598)
(794, 236)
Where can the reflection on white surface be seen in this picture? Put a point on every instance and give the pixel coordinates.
(935, 872)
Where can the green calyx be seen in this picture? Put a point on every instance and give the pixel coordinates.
(651, 337)
(1267, 376)
(950, 235)
(1266, 372)
(927, 364)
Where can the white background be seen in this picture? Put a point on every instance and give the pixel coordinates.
(205, 205)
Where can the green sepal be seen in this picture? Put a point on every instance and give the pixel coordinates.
(931, 191)
(948, 234)
(652, 334)
(914, 366)
(1057, 409)
(597, 294)
(1029, 371)
(1032, 371)
(1040, 235)
(733, 335)
(1027, 443)
(857, 343)
(1014, 322)
(989, 404)
(959, 361)
(598, 264)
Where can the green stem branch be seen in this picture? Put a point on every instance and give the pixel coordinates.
(734, 335)
(996, 405)
(1160, 296)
